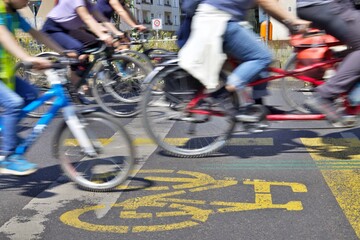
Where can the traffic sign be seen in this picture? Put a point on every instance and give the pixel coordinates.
(156, 23)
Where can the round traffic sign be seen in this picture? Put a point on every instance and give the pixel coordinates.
(157, 23)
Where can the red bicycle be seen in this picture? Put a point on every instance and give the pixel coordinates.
(186, 121)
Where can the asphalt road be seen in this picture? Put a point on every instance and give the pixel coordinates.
(297, 180)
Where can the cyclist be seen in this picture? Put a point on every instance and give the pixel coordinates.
(109, 7)
(340, 19)
(202, 54)
(15, 92)
(74, 25)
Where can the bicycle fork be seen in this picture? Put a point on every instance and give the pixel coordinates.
(78, 130)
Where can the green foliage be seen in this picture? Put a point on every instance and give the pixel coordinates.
(164, 39)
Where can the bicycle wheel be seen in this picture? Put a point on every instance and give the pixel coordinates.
(115, 153)
(38, 79)
(172, 127)
(117, 87)
(159, 55)
(141, 57)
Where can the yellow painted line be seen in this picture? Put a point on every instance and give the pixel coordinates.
(231, 142)
(72, 218)
(344, 184)
(74, 142)
(134, 214)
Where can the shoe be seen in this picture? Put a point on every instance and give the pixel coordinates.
(85, 100)
(327, 107)
(17, 165)
(251, 114)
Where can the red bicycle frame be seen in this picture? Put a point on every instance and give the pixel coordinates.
(279, 73)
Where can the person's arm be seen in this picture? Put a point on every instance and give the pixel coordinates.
(93, 25)
(274, 9)
(107, 24)
(8, 41)
(125, 15)
(10, 44)
(112, 28)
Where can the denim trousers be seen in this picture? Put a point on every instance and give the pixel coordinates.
(12, 102)
(245, 46)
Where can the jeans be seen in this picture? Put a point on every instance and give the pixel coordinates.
(245, 46)
(12, 102)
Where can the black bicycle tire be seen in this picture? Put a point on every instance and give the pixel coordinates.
(173, 150)
(110, 110)
(71, 171)
(141, 56)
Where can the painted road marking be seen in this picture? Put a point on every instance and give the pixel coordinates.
(171, 211)
(74, 142)
(344, 176)
(30, 222)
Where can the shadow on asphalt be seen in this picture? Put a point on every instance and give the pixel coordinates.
(287, 140)
(42, 180)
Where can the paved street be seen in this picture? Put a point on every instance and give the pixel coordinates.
(297, 180)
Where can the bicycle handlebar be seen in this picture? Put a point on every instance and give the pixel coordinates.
(60, 62)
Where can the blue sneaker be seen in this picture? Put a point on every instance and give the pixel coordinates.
(17, 165)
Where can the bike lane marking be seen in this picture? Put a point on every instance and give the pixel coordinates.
(338, 159)
(198, 211)
(31, 221)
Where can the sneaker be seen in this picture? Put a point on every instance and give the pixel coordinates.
(327, 107)
(83, 99)
(251, 114)
(17, 165)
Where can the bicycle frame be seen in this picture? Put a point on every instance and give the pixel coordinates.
(279, 73)
(61, 101)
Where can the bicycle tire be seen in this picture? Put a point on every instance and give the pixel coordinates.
(294, 91)
(154, 54)
(38, 79)
(116, 94)
(141, 57)
(114, 147)
(162, 110)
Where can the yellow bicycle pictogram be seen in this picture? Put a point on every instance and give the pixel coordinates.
(176, 206)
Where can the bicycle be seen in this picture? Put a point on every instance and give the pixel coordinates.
(152, 56)
(115, 80)
(311, 47)
(186, 121)
(94, 150)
